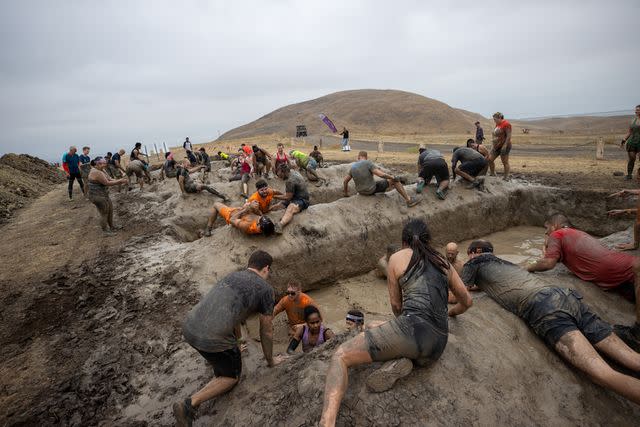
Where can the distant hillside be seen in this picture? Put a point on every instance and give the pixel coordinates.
(579, 125)
(388, 112)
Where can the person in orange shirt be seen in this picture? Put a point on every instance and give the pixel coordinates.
(501, 144)
(248, 219)
(293, 303)
(264, 196)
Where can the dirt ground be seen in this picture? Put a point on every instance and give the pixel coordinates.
(90, 326)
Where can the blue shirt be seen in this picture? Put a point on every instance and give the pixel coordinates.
(73, 162)
(114, 158)
(84, 159)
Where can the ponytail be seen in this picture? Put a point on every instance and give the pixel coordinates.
(416, 236)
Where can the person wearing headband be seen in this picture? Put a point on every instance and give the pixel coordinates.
(293, 303)
(98, 181)
(355, 320)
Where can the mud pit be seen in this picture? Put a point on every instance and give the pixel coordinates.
(100, 342)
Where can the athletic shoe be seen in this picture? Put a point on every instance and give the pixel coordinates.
(420, 186)
(412, 202)
(440, 194)
(384, 378)
(208, 232)
(184, 413)
(629, 334)
(629, 177)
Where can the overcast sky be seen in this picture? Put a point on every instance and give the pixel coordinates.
(110, 73)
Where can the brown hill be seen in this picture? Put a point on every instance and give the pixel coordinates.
(579, 125)
(368, 111)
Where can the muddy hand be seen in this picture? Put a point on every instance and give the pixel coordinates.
(620, 193)
(616, 212)
(626, 246)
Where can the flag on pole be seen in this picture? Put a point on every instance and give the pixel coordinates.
(328, 122)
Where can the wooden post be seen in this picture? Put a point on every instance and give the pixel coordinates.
(320, 144)
(381, 146)
(155, 147)
(600, 149)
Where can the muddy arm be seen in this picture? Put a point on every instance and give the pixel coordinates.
(181, 182)
(459, 290)
(395, 293)
(266, 338)
(346, 184)
(543, 264)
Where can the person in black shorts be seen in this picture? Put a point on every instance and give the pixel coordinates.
(296, 197)
(212, 328)
(418, 280)
(472, 164)
(557, 315)
(431, 163)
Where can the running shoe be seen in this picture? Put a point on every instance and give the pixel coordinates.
(384, 378)
(184, 413)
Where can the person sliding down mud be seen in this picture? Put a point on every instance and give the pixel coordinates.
(430, 164)
(586, 257)
(362, 173)
(296, 198)
(558, 316)
(264, 196)
(418, 280)
(311, 334)
(211, 329)
(472, 164)
(293, 303)
(98, 181)
(189, 186)
(247, 219)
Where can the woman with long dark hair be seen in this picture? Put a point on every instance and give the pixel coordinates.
(418, 277)
(632, 143)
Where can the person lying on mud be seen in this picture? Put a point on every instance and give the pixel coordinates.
(362, 173)
(317, 156)
(558, 316)
(480, 149)
(293, 303)
(418, 280)
(220, 155)
(170, 166)
(296, 198)
(383, 262)
(261, 162)
(312, 333)
(137, 168)
(586, 257)
(247, 219)
(472, 165)
(309, 165)
(264, 196)
(189, 186)
(205, 160)
(98, 181)
(636, 226)
(211, 329)
(431, 163)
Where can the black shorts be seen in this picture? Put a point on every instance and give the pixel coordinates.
(502, 151)
(473, 167)
(302, 204)
(434, 167)
(226, 363)
(553, 312)
(381, 186)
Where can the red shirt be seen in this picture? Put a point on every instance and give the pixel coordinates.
(504, 125)
(589, 259)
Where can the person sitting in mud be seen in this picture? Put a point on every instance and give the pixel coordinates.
(558, 316)
(501, 144)
(383, 262)
(247, 219)
(472, 165)
(170, 166)
(211, 329)
(480, 149)
(264, 196)
(309, 165)
(362, 173)
(243, 172)
(586, 257)
(98, 193)
(317, 156)
(261, 161)
(189, 186)
(85, 167)
(296, 198)
(431, 163)
(418, 280)
(206, 164)
(633, 211)
(280, 157)
(312, 333)
(137, 168)
(293, 303)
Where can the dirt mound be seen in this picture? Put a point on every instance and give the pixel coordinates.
(388, 112)
(22, 179)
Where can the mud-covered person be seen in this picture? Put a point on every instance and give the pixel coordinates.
(501, 144)
(116, 169)
(558, 316)
(363, 171)
(293, 303)
(261, 161)
(590, 260)
(418, 280)
(137, 168)
(248, 219)
(383, 262)
(189, 186)
(98, 193)
(472, 165)
(264, 196)
(170, 166)
(280, 157)
(309, 165)
(317, 155)
(451, 251)
(212, 327)
(85, 166)
(206, 164)
(431, 163)
(312, 333)
(296, 197)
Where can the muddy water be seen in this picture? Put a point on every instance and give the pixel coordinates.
(368, 293)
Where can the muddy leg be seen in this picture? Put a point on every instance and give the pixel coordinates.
(213, 191)
(617, 350)
(631, 161)
(443, 185)
(351, 353)
(400, 189)
(577, 350)
(636, 286)
(505, 162)
(464, 175)
(292, 209)
(492, 164)
(110, 214)
(212, 218)
(214, 388)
